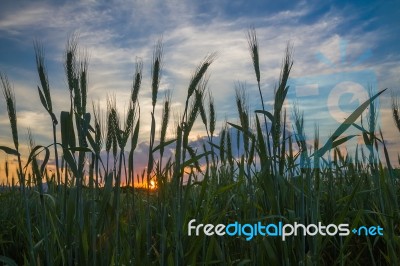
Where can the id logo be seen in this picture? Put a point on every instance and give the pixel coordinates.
(327, 100)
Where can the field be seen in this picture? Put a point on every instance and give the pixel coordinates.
(89, 212)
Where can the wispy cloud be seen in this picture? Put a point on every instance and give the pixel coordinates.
(119, 32)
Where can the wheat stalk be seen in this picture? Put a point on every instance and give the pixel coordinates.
(253, 47)
(9, 96)
(165, 119)
(156, 70)
(83, 77)
(42, 71)
(395, 111)
(243, 110)
(45, 97)
(200, 71)
(137, 81)
(71, 62)
(201, 88)
(211, 110)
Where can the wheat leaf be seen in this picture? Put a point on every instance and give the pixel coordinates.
(9, 150)
(165, 144)
(345, 125)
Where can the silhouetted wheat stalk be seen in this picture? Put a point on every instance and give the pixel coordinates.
(395, 110)
(95, 220)
(12, 115)
(45, 97)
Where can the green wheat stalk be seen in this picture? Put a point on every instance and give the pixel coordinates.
(9, 96)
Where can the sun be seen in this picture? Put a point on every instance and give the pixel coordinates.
(152, 185)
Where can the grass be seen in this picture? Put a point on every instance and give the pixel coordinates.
(86, 217)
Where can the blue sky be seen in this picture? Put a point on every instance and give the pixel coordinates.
(115, 33)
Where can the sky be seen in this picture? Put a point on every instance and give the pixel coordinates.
(340, 50)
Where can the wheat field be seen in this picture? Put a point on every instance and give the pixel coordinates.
(87, 211)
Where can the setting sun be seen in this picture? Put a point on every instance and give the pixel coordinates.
(152, 185)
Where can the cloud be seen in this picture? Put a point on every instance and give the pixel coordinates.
(116, 34)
